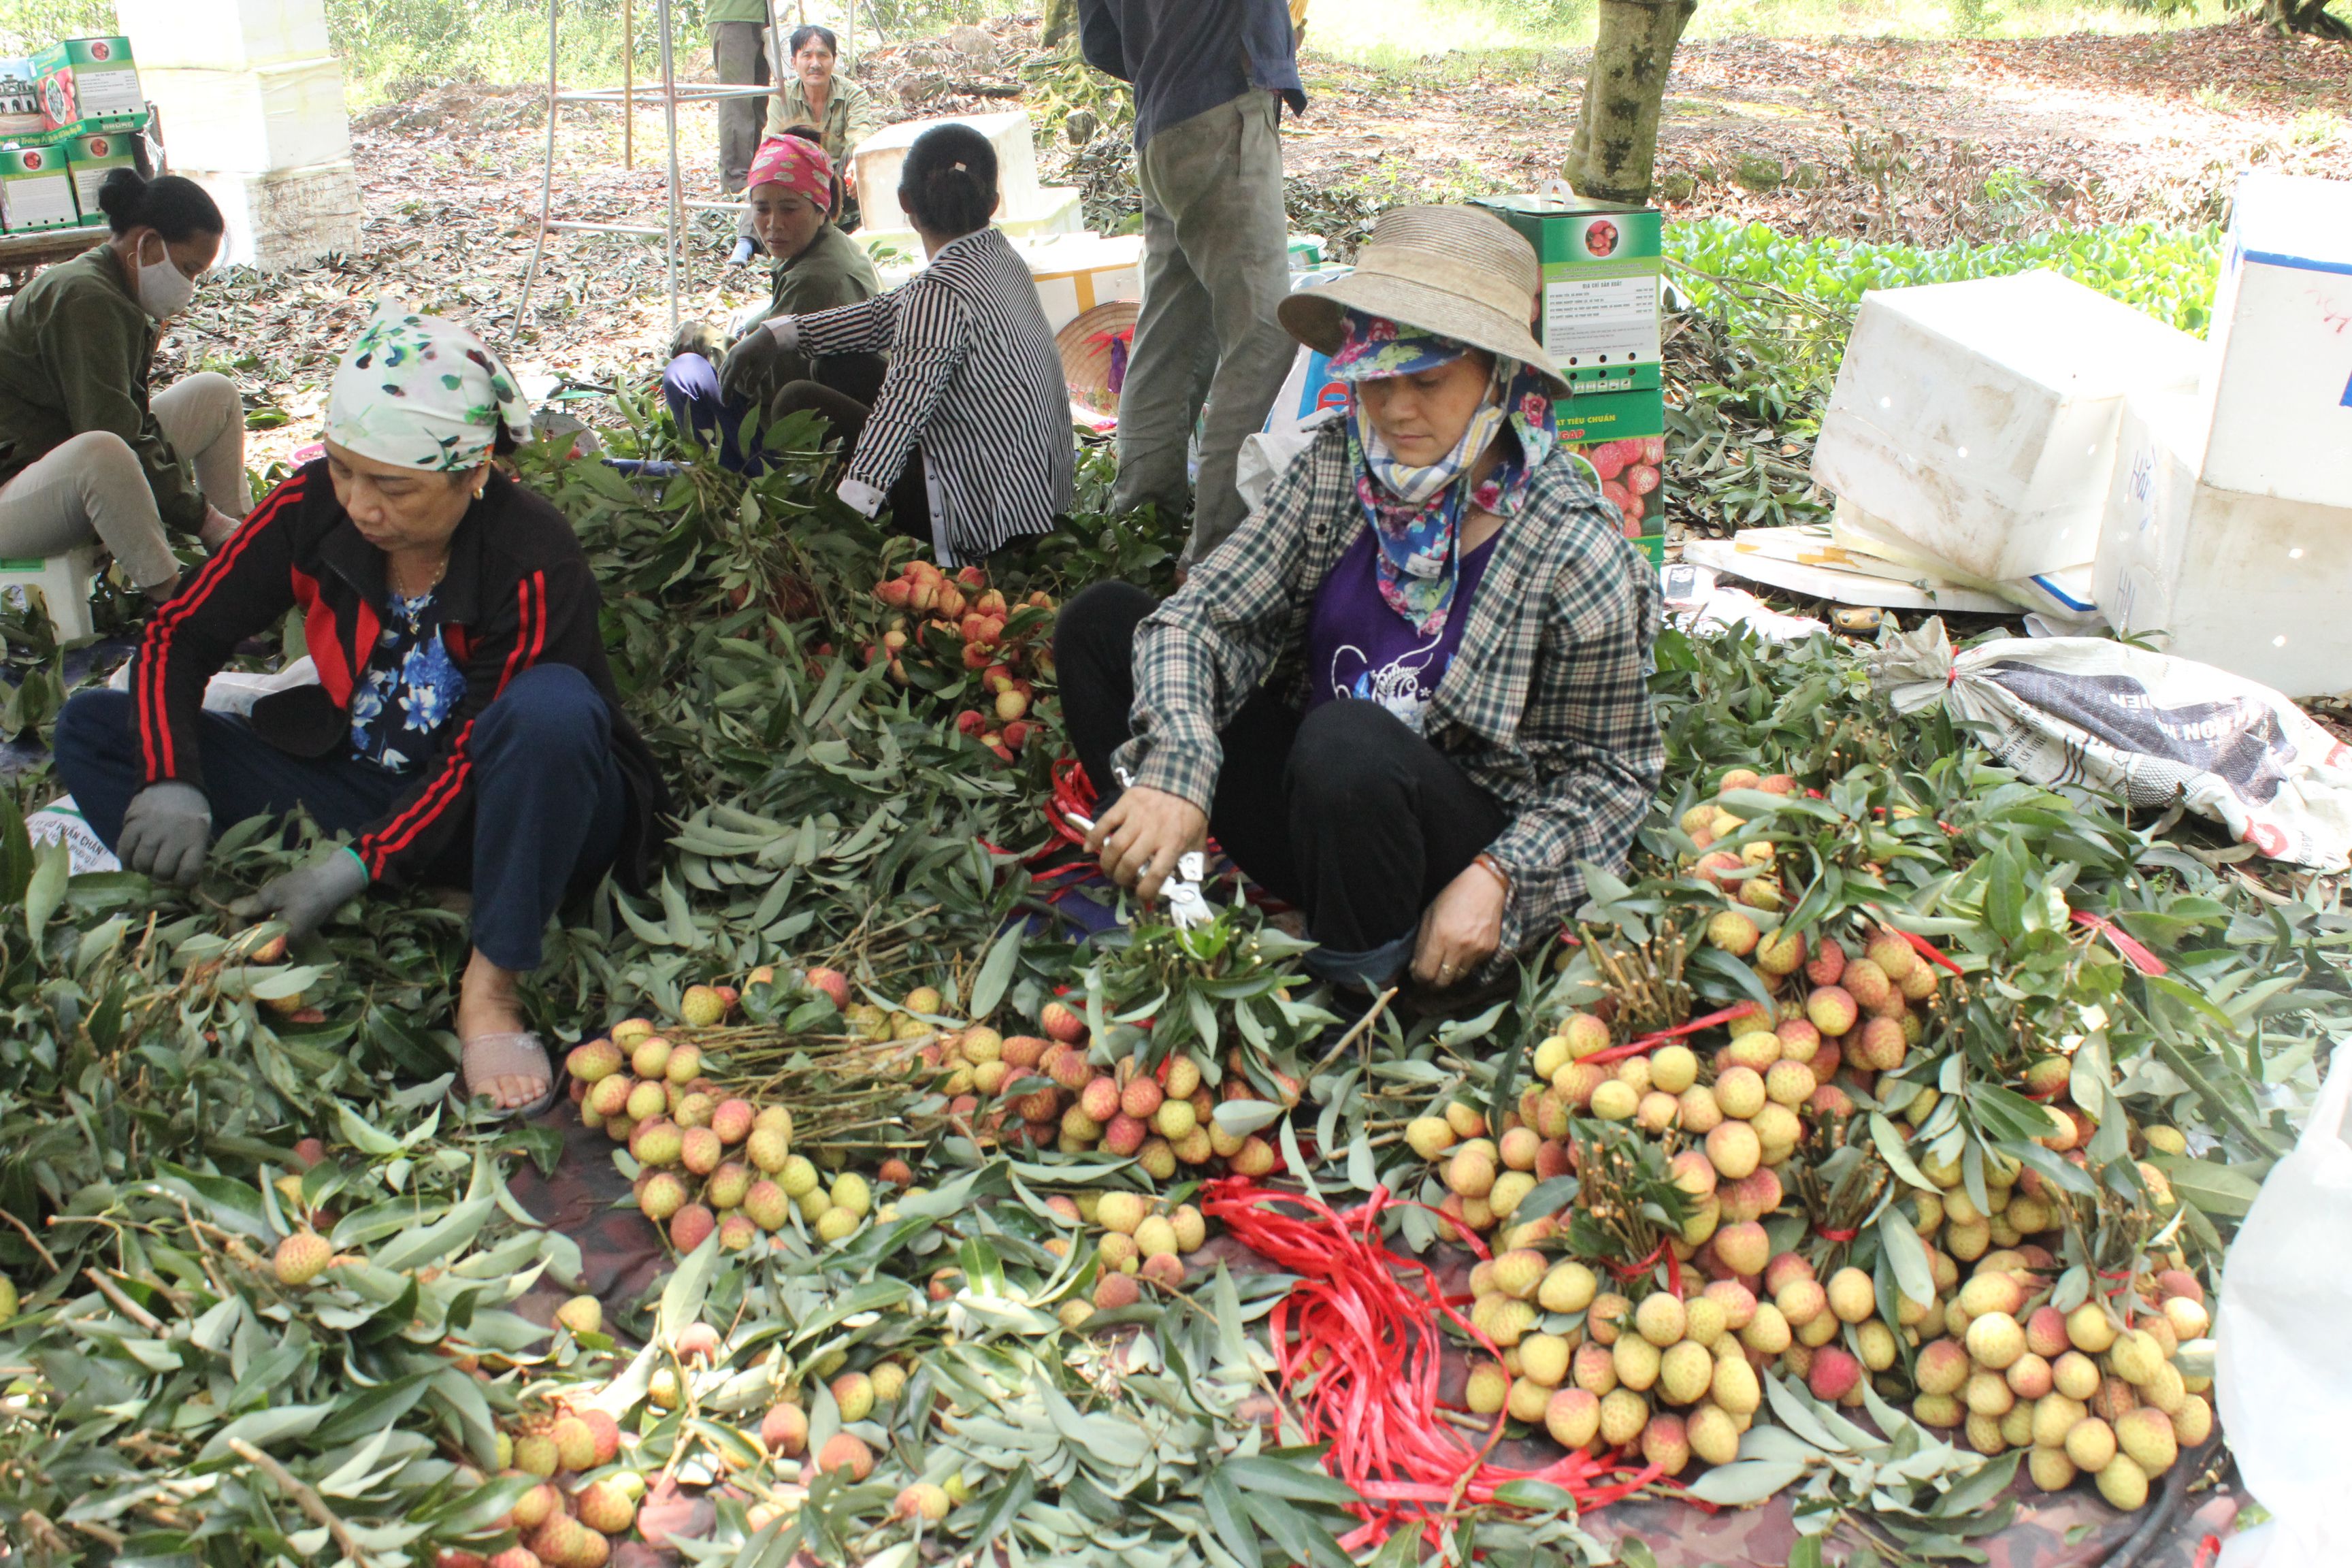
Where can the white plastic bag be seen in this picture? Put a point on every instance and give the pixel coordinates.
(2146, 727)
(2283, 1371)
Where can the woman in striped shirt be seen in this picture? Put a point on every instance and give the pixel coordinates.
(969, 441)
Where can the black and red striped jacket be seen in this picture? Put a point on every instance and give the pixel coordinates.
(518, 592)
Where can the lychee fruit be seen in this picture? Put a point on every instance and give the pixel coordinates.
(1826, 965)
(846, 1454)
(690, 1226)
(1835, 1375)
(301, 1258)
(1830, 1009)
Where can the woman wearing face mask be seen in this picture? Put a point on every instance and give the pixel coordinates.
(464, 730)
(793, 190)
(1410, 696)
(85, 450)
(840, 111)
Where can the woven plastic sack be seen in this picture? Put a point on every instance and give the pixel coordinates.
(2147, 728)
(2282, 1371)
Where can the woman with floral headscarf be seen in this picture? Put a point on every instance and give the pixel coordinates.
(1409, 697)
(464, 728)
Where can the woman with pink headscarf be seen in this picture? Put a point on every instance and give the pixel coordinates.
(794, 193)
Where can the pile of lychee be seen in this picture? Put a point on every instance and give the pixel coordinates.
(564, 1520)
(960, 622)
(2094, 1390)
(708, 1161)
(1629, 467)
(1678, 1377)
(1047, 1092)
(1144, 1242)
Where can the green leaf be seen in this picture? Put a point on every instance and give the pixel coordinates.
(1914, 1270)
(1744, 1481)
(2216, 1189)
(1889, 1142)
(1223, 1504)
(996, 973)
(1240, 1117)
(682, 1298)
(15, 852)
(1295, 1482)
(52, 865)
(1304, 1540)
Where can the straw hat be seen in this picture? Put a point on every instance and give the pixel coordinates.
(1459, 272)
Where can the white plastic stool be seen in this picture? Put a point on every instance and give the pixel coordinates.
(64, 582)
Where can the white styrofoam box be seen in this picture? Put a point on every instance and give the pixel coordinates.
(2278, 398)
(2254, 584)
(1076, 272)
(223, 34)
(880, 156)
(1978, 419)
(287, 218)
(1063, 212)
(255, 122)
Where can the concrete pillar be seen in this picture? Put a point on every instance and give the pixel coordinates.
(251, 104)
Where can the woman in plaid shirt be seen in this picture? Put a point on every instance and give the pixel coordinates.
(1410, 697)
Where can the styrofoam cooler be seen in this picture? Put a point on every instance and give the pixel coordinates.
(2255, 585)
(881, 156)
(289, 217)
(2278, 400)
(1978, 419)
(224, 35)
(257, 122)
(1076, 272)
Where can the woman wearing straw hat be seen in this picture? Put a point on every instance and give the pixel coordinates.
(1410, 696)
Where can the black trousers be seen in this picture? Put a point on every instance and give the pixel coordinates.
(910, 499)
(1344, 811)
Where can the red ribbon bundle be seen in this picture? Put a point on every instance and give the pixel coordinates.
(1357, 1347)
(1667, 1037)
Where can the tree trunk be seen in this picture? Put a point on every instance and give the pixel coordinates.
(2306, 16)
(1616, 146)
(1061, 22)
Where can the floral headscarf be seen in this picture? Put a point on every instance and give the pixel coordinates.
(422, 392)
(1416, 512)
(796, 164)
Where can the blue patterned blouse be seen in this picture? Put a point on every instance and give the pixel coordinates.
(411, 689)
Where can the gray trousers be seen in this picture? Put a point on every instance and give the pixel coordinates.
(91, 484)
(1215, 265)
(737, 53)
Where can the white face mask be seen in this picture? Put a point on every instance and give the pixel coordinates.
(163, 290)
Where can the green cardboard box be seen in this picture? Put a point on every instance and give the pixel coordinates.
(1601, 262)
(87, 79)
(36, 190)
(89, 159)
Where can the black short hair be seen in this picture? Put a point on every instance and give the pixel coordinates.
(948, 185)
(175, 209)
(811, 133)
(801, 35)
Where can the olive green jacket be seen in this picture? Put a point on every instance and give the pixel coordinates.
(75, 353)
(834, 271)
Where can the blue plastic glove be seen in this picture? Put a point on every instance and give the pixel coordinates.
(304, 898)
(167, 830)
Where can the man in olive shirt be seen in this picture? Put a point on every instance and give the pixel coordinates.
(738, 33)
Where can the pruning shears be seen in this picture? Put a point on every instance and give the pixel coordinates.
(1186, 906)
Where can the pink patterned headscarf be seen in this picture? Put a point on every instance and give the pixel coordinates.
(795, 163)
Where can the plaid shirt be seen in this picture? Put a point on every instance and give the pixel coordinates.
(1546, 706)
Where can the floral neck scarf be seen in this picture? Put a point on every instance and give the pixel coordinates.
(1416, 512)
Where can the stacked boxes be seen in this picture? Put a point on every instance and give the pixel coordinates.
(1601, 263)
(254, 105)
(1025, 209)
(70, 114)
(90, 158)
(2227, 533)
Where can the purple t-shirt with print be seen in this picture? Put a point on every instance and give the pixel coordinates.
(1359, 647)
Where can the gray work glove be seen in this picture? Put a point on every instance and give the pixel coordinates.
(167, 829)
(304, 898)
(758, 367)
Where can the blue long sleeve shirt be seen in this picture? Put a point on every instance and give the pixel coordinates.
(1187, 57)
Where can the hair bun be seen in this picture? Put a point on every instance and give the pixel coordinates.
(119, 197)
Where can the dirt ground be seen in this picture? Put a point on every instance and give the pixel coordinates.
(1923, 142)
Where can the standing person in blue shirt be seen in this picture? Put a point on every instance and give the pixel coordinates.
(1211, 78)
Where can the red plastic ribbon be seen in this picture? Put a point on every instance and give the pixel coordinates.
(1629, 1273)
(1837, 1236)
(1919, 945)
(1667, 1037)
(2140, 957)
(1358, 1347)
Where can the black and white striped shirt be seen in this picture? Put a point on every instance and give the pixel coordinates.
(974, 375)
